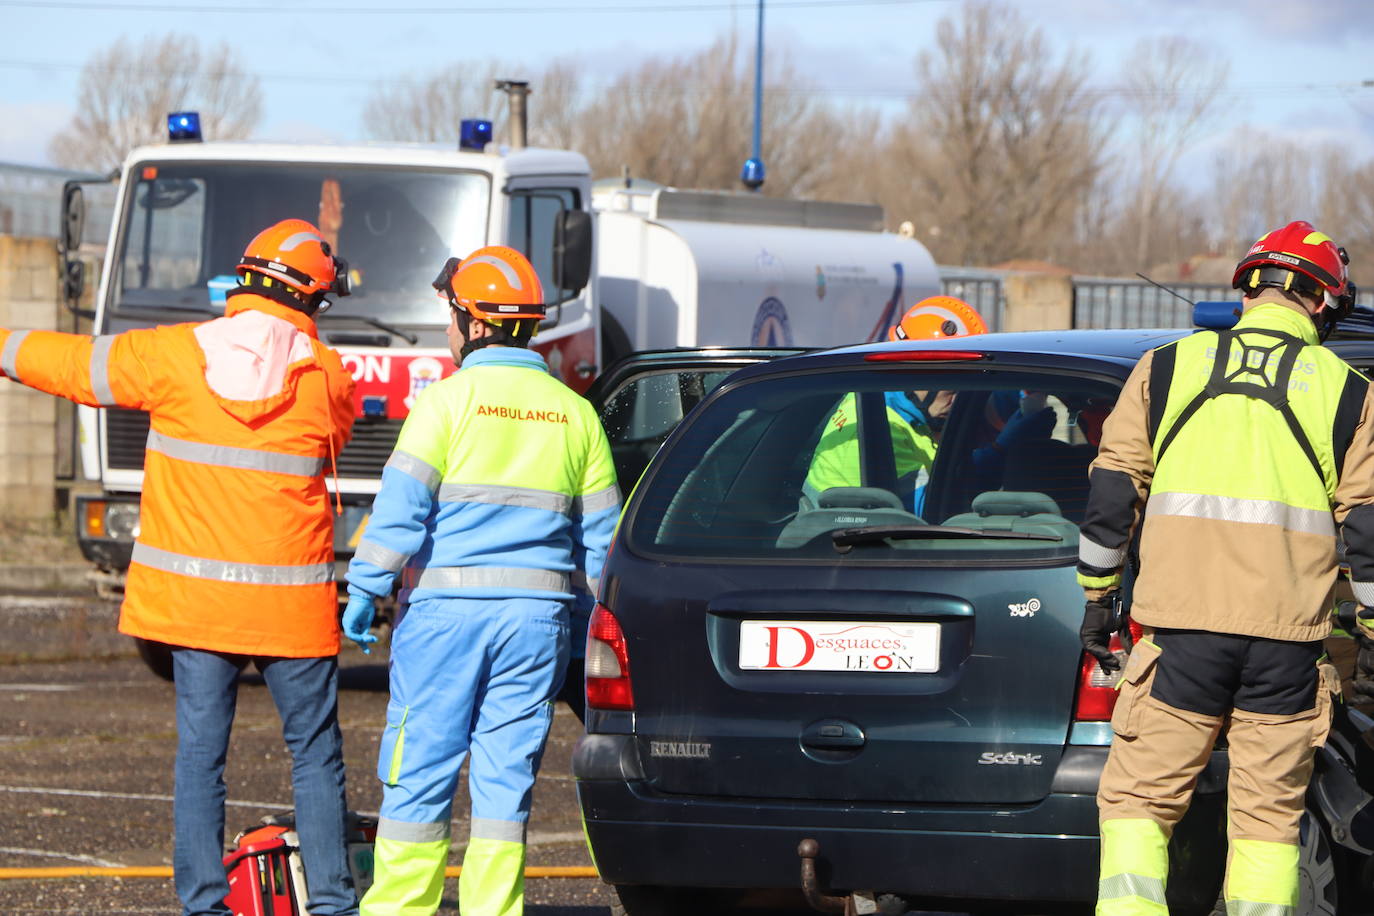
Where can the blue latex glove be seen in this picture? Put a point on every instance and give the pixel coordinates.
(1022, 428)
(357, 619)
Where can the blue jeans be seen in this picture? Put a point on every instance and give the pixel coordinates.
(305, 691)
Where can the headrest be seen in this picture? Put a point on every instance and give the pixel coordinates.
(858, 498)
(1010, 502)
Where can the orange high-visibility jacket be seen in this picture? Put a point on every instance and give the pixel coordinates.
(235, 549)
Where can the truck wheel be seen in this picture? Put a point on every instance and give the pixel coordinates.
(157, 656)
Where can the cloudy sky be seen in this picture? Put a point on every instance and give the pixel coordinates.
(1302, 65)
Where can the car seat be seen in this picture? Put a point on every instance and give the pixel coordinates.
(846, 507)
(1057, 469)
(1007, 510)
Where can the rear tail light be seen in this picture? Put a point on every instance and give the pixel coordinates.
(1097, 689)
(608, 663)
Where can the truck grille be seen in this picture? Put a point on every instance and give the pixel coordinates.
(126, 432)
(370, 447)
(126, 436)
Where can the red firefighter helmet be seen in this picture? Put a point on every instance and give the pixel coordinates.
(1296, 257)
(937, 317)
(294, 253)
(492, 283)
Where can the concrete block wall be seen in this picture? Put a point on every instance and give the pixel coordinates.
(29, 300)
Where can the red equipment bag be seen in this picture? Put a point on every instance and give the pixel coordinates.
(266, 877)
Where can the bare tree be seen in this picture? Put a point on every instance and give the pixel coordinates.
(127, 90)
(1172, 85)
(431, 109)
(1001, 147)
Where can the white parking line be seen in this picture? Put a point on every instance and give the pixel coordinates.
(131, 796)
(71, 856)
(39, 688)
(533, 839)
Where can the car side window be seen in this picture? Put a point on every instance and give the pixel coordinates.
(641, 413)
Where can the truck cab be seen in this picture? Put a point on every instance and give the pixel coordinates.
(185, 210)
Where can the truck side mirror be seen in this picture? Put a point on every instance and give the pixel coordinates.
(572, 250)
(73, 216)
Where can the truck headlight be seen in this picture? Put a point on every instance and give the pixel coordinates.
(121, 521)
(116, 521)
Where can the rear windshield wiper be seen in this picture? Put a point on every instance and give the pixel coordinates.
(379, 325)
(848, 537)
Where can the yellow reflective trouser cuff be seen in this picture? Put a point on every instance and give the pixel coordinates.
(1135, 866)
(408, 878)
(493, 879)
(1262, 879)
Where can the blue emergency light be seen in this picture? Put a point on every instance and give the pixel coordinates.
(183, 127)
(474, 134)
(1216, 316)
(752, 175)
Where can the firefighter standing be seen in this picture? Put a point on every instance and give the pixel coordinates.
(234, 559)
(1252, 445)
(500, 495)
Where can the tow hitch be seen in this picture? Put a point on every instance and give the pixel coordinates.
(859, 903)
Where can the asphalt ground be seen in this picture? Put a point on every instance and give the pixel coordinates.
(87, 742)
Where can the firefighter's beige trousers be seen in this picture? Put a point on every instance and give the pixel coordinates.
(1157, 754)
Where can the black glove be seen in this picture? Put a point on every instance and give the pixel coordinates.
(1363, 684)
(1101, 619)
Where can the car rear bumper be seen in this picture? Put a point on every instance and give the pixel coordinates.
(1045, 851)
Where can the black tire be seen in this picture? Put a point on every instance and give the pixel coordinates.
(1319, 874)
(157, 656)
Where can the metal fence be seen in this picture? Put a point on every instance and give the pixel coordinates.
(981, 289)
(1105, 302)
(31, 203)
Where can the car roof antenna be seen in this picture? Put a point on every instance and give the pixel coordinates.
(1190, 302)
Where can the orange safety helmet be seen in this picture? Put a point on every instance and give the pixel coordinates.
(937, 317)
(295, 254)
(491, 284)
(1296, 257)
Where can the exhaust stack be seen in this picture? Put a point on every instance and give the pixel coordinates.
(516, 92)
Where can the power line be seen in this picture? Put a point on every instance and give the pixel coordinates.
(619, 9)
(1101, 92)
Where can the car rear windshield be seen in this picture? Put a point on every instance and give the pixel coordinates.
(892, 463)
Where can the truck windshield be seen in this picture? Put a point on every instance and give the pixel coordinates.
(186, 224)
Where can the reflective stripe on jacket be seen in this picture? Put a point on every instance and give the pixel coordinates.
(501, 485)
(235, 548)
(1239, 531)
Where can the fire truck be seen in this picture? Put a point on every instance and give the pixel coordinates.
(625, 265)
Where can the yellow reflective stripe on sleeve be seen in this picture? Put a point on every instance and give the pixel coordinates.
(100, 371)
(526, 497)
(248, 459)
(1099, 581)
(1247, 511)
(546, 580)
(1262, 878)
(225, 571)
(493, 879)
(9, 356)
(408, 878)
